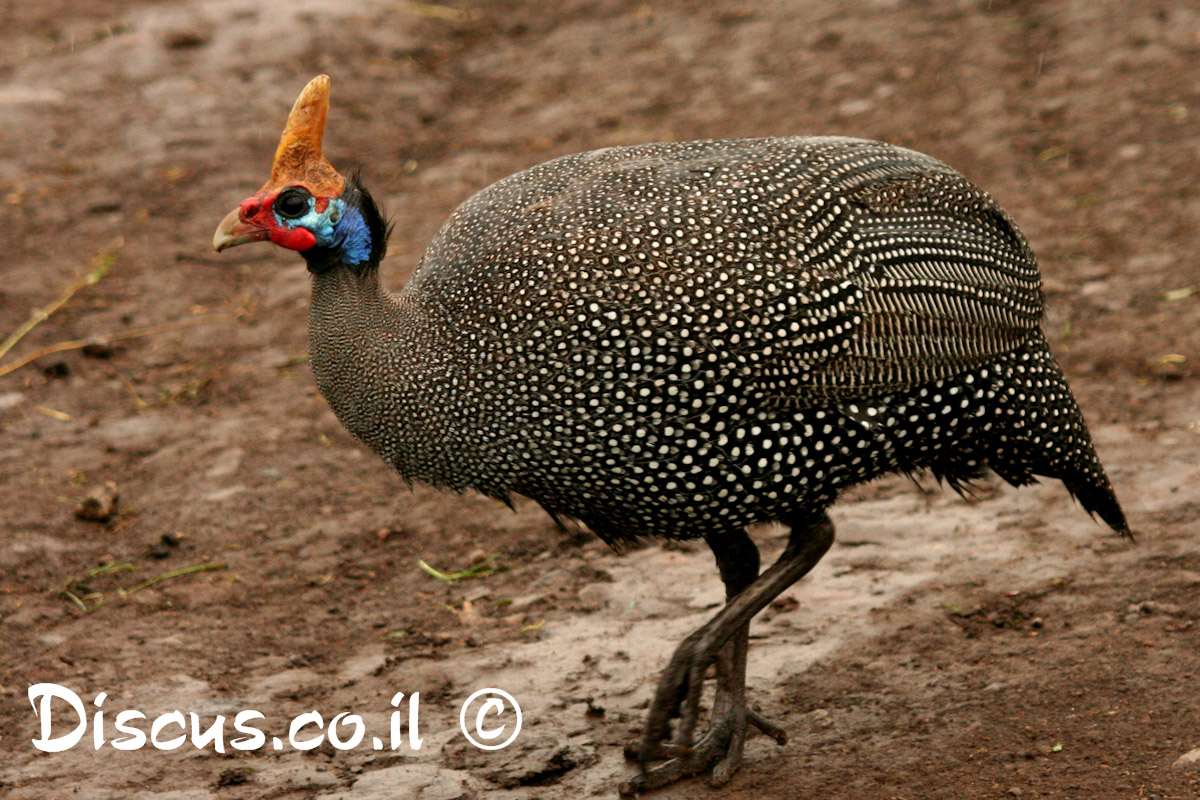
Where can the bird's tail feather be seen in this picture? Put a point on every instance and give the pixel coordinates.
(1045, 434)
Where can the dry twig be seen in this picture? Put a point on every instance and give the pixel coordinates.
(40, 315)
(132, 333)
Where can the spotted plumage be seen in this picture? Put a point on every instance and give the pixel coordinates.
(675, 339)
(682, 339)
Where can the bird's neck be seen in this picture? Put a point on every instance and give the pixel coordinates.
(349, 297)
(375, 355)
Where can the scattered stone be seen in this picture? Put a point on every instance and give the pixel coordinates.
(467, 616)
(594, 711)
(595, 596)
(98, 350)
(383, 534)
(221, 495)
(11, 400)
(1169, 366)
(225, 463)
(523, 603)
(535, 757)
(164, 546)
(589, 573)
(1189, 760)
(1146, 608)
(1129, 152)
(785, 604)
(234, 776)
(100, 504)
(412, 782)
(854, 107)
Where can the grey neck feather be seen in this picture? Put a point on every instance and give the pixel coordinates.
(378, 358)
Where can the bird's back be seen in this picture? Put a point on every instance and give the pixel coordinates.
(651, 334)
(830, 266)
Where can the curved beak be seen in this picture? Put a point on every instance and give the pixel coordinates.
(233, 231)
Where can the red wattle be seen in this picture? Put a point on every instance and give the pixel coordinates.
(294, 239)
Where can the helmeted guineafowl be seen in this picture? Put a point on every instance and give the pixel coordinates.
(680, 340)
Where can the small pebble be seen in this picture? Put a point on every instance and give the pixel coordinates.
(1189, 760)
(100, 504)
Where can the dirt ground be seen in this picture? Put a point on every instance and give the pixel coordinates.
(1003, 647)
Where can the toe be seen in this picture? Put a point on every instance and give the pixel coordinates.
(724, 769)
(767, 726)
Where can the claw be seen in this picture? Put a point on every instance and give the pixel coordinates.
(712, 749)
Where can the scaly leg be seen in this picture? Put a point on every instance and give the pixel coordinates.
(722, 641)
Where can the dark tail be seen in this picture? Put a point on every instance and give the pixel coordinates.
(1044, 434)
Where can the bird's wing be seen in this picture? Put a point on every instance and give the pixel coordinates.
(920, 277)
(806, 268)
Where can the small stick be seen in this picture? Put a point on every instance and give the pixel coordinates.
(175, 573)
(124, 565)
(477, 571)
(132, 333)
(40, 315)
(67, 593)
(68, 590)
(436, 11)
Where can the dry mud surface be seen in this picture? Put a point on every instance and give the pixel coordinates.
(1004, 647)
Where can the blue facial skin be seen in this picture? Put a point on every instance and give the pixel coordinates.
(339, 227)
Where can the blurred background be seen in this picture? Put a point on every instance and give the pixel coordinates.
(947, 655)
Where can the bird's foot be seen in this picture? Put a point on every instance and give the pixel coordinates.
(719, 752)
(721, 643)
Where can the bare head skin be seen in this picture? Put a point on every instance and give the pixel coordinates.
(289, 207)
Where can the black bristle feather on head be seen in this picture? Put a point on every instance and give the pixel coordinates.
(381, 228)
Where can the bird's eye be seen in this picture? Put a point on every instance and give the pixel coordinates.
(292, 203)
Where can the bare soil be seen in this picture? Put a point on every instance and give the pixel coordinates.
(1003, 647)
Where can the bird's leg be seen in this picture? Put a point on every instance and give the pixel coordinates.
(737, 560)
(722, 641)
(731, 715)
